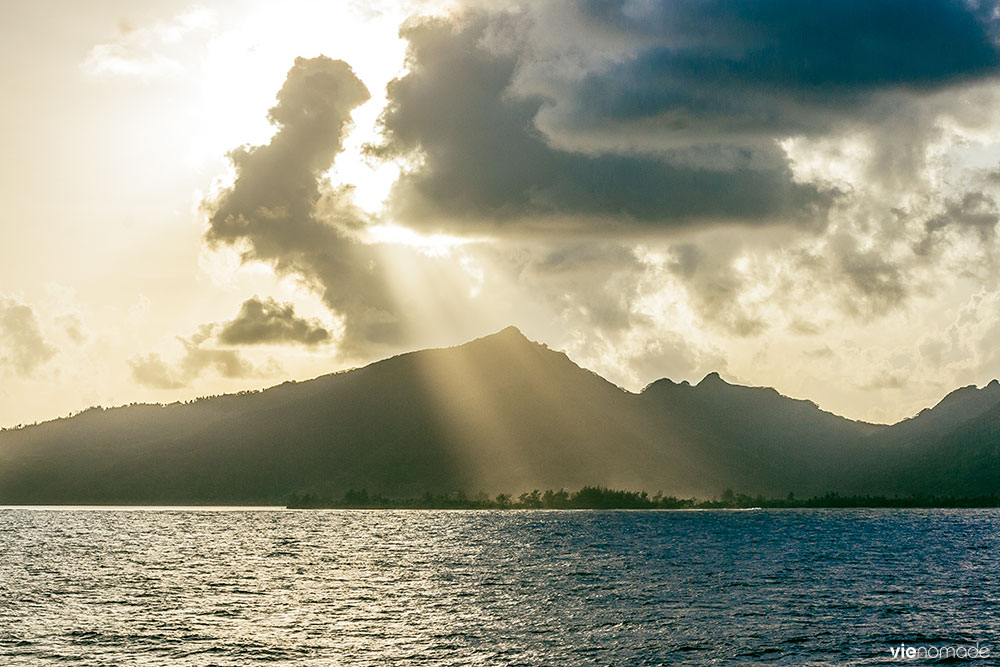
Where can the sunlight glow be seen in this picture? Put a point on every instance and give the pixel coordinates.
(434, 245)
(245, 64)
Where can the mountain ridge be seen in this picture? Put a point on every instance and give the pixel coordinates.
(500, 412)
(509, 331)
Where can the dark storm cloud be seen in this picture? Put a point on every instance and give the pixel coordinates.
(267, 321)
(484, 160)
(270, 211)
(22, 345)
(779, 66)
(675, 121)
(745, 74)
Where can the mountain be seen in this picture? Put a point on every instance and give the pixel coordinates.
(952, 448)
(500, 413)
(755, 439)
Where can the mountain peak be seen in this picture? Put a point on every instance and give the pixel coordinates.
(958, 406)
(962, 394)
(508, 336)
(511, 331)
(711, 379)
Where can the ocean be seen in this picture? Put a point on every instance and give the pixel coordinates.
(259, 586)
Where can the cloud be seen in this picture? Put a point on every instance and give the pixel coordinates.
(487, 120)
(268, 321)
(151, 371)
(199, 357)
(482, 160)
(973, 210)
(751, 68)
(706, 269)
(598, 281)
(148, 52)
(660, 187)
(128, 61)
(878, 284)
(74, 328)
(272, 211)
(227, 363)
(802, 327)
(23, 348)
(602, 114)
(885, 380)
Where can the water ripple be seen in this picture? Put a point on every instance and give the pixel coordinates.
(254, 587)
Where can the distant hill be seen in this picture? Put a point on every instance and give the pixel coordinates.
(500, 413)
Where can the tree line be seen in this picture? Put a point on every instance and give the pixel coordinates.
(599, 497)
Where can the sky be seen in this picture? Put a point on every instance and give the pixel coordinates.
(207, 198)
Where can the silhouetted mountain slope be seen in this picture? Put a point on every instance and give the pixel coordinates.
(966, 461)
(954, 410)
(760, 441)
(500, 413)
(952, 448)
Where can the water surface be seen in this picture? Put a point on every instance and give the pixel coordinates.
(341, 587)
